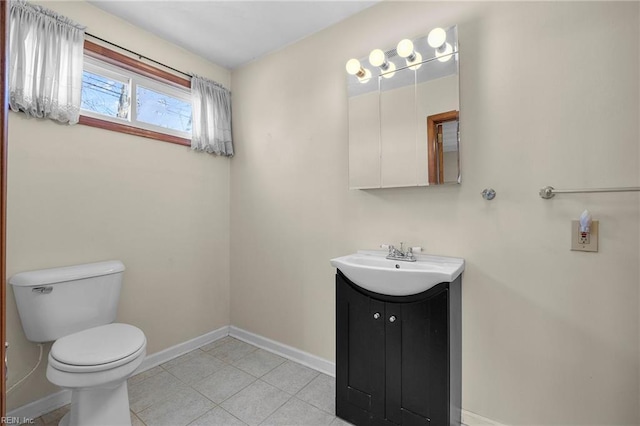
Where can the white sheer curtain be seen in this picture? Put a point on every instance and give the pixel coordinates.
(45, 65)
(211, 111)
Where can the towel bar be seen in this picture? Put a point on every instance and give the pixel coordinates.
(550, 192)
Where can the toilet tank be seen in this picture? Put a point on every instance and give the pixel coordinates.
(56, 302)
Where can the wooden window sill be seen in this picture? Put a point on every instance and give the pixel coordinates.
(123, 128)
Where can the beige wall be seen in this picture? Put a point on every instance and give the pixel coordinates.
(80, 194)
(549, 96)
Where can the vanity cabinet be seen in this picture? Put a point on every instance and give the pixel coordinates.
(398, 358)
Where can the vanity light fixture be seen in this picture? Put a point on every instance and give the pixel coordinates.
(406, 50)
(355, 68)
(437, 39)
(411, 51)
(378, 58)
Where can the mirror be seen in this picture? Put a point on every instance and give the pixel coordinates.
(404, 114)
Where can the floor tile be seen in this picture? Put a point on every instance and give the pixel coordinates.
(216, 343)
(259, 363)
(339, 422)
(135, 420)
(217, 417)
(196, 367)
(224, 383)
(298, 413)
(182, 358)
(144, 375)
(256, 402)
(152, 390)
(55, 416)
(185, 391)
(290, 376)
(231, 350)
(321, 393)
(180, 409)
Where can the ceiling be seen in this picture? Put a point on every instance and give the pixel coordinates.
(232, 33)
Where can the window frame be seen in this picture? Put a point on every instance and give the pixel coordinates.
(149, 74)
(94, 66)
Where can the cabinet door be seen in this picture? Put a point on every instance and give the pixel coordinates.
(417, 366)
(360, 351)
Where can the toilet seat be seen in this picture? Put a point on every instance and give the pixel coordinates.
(98, 349)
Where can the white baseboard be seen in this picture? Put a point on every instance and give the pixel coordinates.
(289, 352)
(473, 419)
(168, 354)
(35, 409)
(54, 401)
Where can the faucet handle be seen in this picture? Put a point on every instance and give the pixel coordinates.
(389, 247)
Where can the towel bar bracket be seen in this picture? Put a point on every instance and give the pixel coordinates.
(547, 192)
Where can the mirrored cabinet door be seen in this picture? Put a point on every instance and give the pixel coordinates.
(364, 141)
(437, 104)
(398, 129)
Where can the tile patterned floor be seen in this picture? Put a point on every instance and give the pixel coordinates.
(227, 383)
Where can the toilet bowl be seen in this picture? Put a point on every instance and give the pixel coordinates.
(92, 356)
(95, 364)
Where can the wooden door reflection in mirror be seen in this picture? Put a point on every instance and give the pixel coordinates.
(442, 148)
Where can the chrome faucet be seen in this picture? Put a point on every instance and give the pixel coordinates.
(400, 254)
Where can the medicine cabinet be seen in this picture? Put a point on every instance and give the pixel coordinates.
(404, 111)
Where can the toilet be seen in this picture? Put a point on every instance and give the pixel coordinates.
(91, 355)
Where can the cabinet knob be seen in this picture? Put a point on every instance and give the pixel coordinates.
(376, 315)
(392, 318)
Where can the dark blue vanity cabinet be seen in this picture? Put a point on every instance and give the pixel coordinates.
(398, 358)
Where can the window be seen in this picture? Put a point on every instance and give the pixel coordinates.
(163, 110)
(122, 94)
(104, 93)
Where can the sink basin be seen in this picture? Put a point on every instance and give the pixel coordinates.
(372, 271)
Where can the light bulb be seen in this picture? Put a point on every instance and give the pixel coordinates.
(366, 76)
(404, 48)
(436, 37)
(416, 63)
(444, 53)
(377, 58)
(390, 71)
(353, 66)
(585, 221)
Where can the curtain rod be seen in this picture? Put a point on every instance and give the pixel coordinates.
(139, 55)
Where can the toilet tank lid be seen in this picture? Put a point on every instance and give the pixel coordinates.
(66, 273)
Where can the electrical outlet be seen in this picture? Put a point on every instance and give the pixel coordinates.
(584, 238)
(581, 241)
